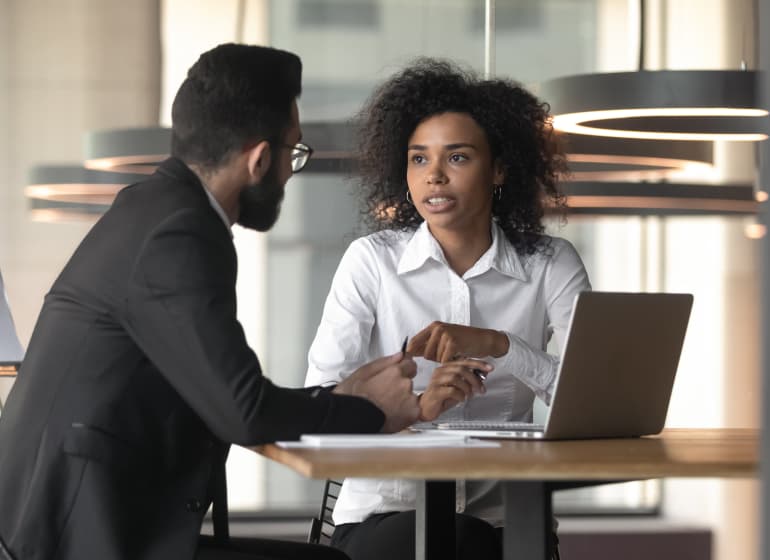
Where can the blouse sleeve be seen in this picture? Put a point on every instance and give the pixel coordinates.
(565, 277)
(10, 348)
(342, 340)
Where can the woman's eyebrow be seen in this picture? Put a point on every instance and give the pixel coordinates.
(447, 146)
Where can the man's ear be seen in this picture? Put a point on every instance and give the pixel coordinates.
(258, 160)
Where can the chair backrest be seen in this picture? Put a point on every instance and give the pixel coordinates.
(322, 527)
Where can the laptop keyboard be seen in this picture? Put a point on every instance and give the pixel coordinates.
(488, 425)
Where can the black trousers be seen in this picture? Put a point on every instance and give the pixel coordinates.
(263, 549)
(389, 536)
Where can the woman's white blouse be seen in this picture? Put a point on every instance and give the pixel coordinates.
(392, 284)
(10, 349)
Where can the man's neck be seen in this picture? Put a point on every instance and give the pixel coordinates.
(222, 186)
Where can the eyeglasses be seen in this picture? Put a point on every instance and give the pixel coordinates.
(300, 155)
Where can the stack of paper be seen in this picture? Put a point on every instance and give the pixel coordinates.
(411, 439)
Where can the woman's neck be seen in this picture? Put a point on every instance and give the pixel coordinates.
(461, 249)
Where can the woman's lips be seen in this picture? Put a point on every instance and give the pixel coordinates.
(438, 204)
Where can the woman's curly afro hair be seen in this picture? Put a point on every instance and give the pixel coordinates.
(517, 127)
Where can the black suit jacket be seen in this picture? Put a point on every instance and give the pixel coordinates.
(136, 380)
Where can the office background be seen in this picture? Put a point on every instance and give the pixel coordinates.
(72, 66)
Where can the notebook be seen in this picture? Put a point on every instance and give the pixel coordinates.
(418, 440)
(616, 371)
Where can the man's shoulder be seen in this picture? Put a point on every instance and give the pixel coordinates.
(160, 200)
(157, 188)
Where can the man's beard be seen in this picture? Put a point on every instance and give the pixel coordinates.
(260, 203)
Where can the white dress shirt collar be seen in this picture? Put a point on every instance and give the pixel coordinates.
(218, 209)
(423, 246)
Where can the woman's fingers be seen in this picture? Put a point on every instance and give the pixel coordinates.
(452, 384)
(447, 348)
(462, 375)
(440, 342)
(416, 345)
(426, 342)
(436, 400)
(431, 346)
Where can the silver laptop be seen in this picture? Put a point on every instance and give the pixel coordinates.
(616, 372)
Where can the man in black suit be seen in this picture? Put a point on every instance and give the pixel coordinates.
(138, 376)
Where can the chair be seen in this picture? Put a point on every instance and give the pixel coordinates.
(556, 554)
(322, 527)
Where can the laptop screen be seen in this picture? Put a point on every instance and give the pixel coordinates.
(617, 370)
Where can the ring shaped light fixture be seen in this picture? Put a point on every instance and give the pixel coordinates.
(127, 150)
(659, 105)
(661, 199)
(141, 150)
(73, 193)
(597, 158)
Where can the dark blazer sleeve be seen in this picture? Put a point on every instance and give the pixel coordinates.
(181, 311)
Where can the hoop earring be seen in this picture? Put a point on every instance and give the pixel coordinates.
(409, 197)
(497, 192)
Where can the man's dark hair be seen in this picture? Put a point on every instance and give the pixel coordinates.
(517, 126)
(234, 94)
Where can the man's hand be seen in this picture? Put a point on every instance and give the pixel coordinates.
(451, 384)
(445, 342)
(387, 382)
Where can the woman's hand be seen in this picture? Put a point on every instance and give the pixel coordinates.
(450, 384)
(444, 342)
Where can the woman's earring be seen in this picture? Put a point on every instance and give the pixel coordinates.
(409, 197)
(497, 192)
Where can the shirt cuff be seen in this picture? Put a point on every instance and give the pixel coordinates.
(535, 368)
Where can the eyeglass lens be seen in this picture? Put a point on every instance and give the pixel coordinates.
(299, 157)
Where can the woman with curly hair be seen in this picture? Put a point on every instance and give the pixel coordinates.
(456, 174)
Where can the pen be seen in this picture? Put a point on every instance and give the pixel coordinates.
(403, 346)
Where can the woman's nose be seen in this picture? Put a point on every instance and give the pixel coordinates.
(436, 175)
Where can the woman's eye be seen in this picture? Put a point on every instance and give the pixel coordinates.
(456, 158)
(417, 158)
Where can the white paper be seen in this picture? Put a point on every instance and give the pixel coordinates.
(412, 440)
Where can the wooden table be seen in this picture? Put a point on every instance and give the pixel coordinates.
(530, 471)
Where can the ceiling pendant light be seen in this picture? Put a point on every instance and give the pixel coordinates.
(596, 158)
(72, 193)
(659, 105)
(696, 105)
(660, 199)
(127, 150)
(141, 150)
